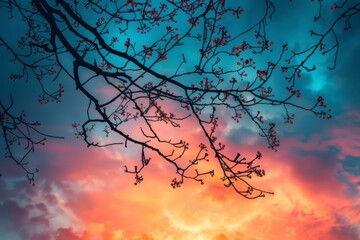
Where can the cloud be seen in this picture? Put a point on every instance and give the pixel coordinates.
(81, 193)
(66, 234)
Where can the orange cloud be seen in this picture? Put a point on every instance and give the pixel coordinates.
(89, 197)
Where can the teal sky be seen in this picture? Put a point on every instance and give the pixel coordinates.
(317, 156)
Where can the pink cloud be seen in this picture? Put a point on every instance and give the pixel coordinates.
(87, 196)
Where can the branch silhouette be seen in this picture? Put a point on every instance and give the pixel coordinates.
(167, 63)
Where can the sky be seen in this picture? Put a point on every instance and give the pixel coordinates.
(83, 193)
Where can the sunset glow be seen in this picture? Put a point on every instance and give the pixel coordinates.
(84, 193)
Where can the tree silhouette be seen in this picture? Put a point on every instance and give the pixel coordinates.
(165, 63)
